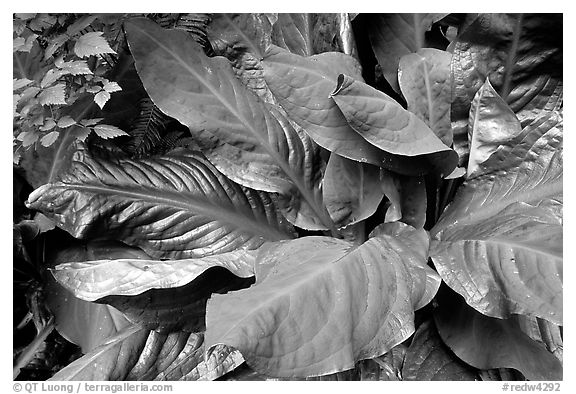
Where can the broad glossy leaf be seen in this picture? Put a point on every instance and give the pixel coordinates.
(248, 141)
(383, 122)
(137, 354)
(407, 196)
(241, 32)
(303, 86)
(544, 332)
(424, 79)
(177, 308)
(485, 342)
(102, 363)
(175, 206)
(319, 304)
(390, 187)
(395, 35)
(243, 39)
(499, 244)
(492, 123)
(521, 54)
(85, 323)
(351, 190)
(90, 280)
(428, 358)
(306, 34)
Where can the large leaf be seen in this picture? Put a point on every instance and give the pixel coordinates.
(137, 354)
(492, 123)
(485, 342)
(395, 35)
(384, 123)
(424, 79)
(90, 280)
(248, 141)
(521, 54)
(351, 190)
(176, 206)
(307, 34)
(499, 244)
(177, 308)
(303, 86)
(319, 304)
(243, 39)
(428, 358)
(85, 323)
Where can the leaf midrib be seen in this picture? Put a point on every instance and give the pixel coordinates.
(320, 211)
(188, 202)
(535, 194)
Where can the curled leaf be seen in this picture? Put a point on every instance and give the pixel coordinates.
(383, 122)
(90, 280)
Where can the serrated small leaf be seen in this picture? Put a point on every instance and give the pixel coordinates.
(29, 138)
(17, 43)
(80, 133)
(75, 67)
(92, 44)
(65, 121)
(91, 122)
(51, 76)
(101, 98)
(107, 131)
(93, 89)
(49, 138)
(20, 83)
(112, 87)
(48, 124)
(53, 95)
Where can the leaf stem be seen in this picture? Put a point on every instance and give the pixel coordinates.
(511, 59)
(28, 354)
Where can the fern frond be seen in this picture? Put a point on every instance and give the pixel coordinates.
(148, 129)
(195, 25)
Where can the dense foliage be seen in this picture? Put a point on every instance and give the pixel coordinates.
(288, 196)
